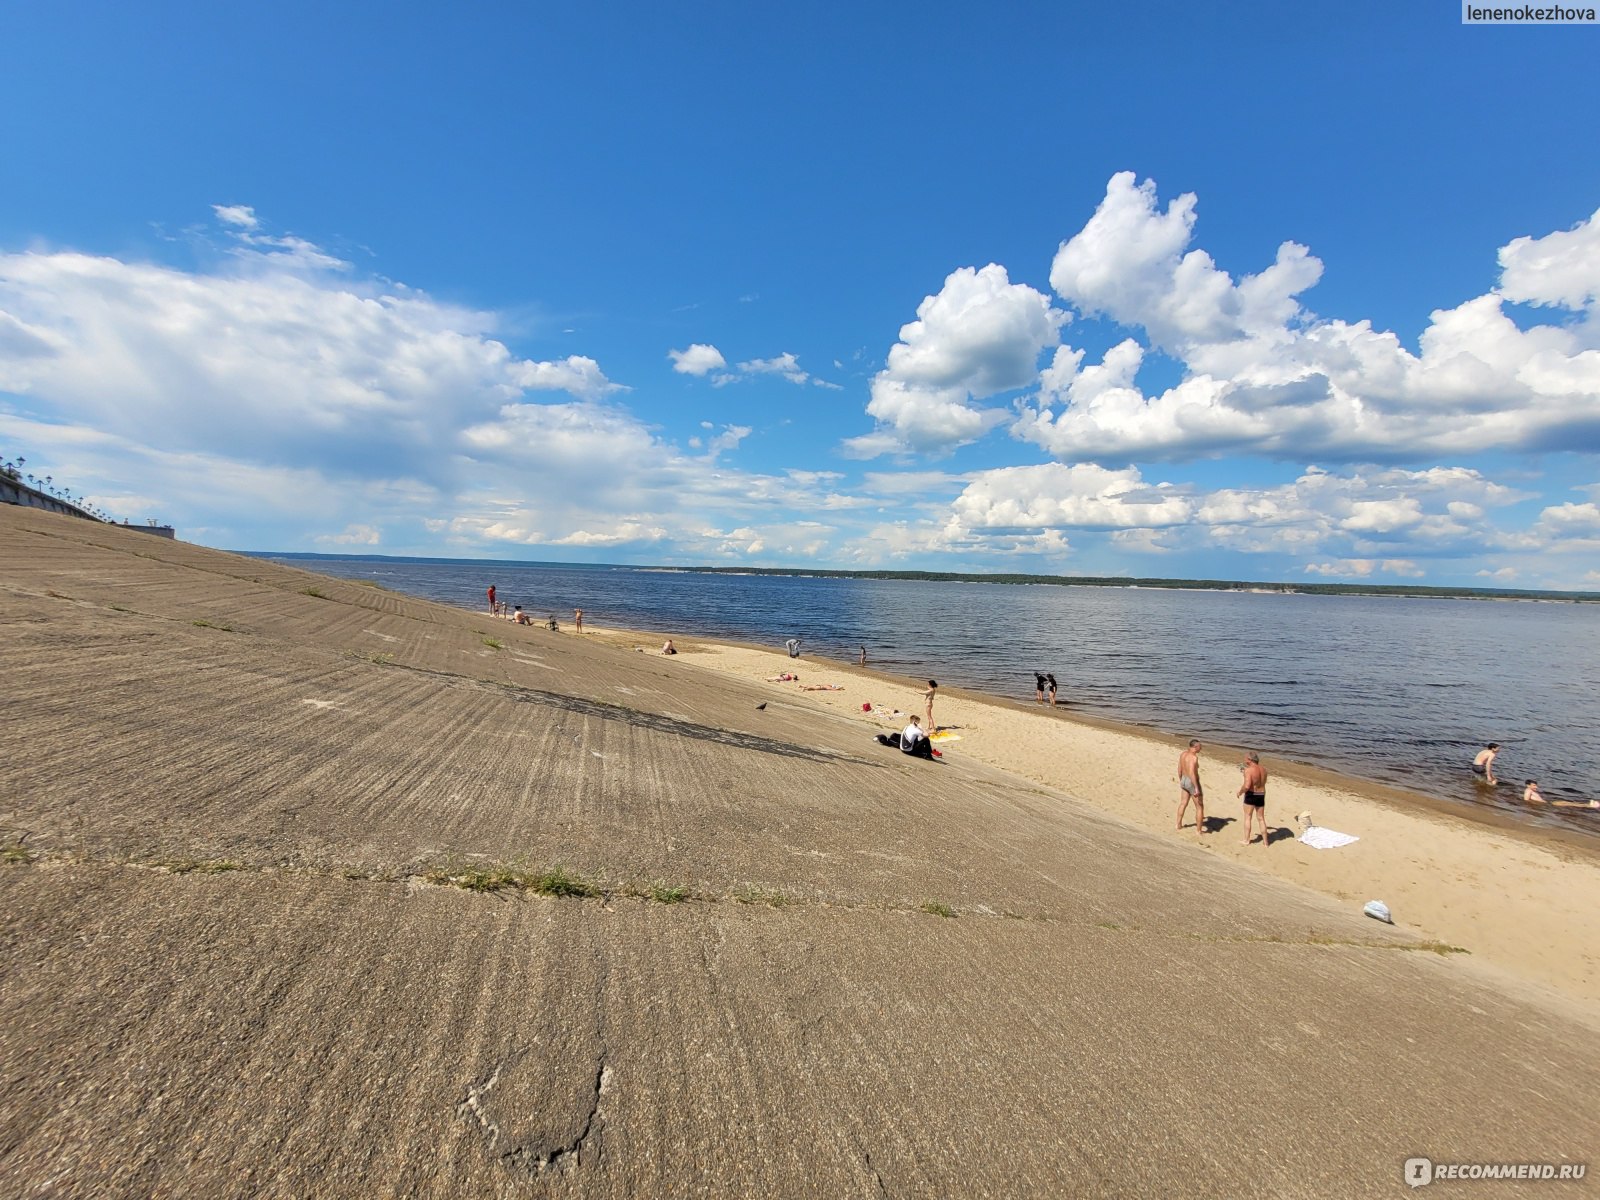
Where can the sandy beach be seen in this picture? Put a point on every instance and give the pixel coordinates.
(1517, 898)
(310, 888)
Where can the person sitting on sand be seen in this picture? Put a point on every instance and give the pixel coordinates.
(668, 647)
(910, 740)
(520, 617)
(1189, 785)
(913, 741)
(1483, 765)
(1254, 793)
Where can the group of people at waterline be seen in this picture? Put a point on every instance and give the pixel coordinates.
(1252, 791)
(1483, 772)
(513, 612)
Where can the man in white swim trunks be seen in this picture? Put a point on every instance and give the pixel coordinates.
(1189, 785)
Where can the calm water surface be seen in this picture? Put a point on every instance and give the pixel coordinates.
(1394, 690)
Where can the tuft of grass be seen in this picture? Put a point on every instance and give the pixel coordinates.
(938, 908)
(371, 583)
(494, 878)
(558, 881)
(1440, 948)
(663, 894)
(314, 591)
(16, 850)
(493, 643)
(203, 624)
(751, 894)
(57, 596)
(202, 866)
(371, 656)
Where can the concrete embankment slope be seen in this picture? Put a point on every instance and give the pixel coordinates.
(235, 963)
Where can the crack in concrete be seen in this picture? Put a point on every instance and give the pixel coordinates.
(569, 1153)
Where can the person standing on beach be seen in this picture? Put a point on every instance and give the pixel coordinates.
(577, 618)
(1038, 688)
(492, 609)
(1254, 793)
(1189, 785)
(1051, 680)
(933, 686)
(1483, 765)
(863, 661)
(793, 647)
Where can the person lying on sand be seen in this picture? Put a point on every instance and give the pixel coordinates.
(822, 687)
(786, 677)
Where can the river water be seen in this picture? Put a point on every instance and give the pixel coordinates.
(1398, 691)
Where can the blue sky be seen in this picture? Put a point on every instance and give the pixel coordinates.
(1262, 292)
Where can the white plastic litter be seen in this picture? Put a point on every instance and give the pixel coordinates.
(1378, 910)
(1319, 838)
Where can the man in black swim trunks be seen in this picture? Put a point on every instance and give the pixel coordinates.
(1038, 687)
(1254, 793)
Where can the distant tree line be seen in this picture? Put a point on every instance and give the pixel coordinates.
(1224, 585)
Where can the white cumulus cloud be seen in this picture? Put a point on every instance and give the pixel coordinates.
(1264, 375)
(699, 359)
(978, 336)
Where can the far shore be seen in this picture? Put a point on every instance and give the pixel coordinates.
(1518, 897)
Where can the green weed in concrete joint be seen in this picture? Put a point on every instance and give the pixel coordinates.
(203, 866)
(1440, 948)
(663, 894)
(371, 656)
(558, 881)
(313, 591)
(757, 895)
(493, 643)
(16, 851)
(938, 908)
(487, 879)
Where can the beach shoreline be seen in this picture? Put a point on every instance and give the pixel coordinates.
(1514, 895)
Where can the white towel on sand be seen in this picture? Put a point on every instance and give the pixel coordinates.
(1319, 838)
